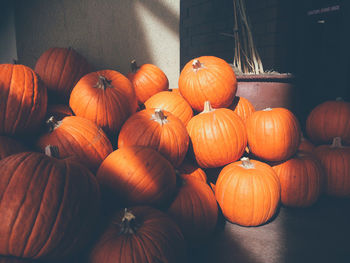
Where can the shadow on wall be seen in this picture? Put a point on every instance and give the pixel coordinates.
(108, 33)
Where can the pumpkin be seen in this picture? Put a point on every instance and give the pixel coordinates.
(172, 102)
(190, 170)
(273, 134)
(208, 78)
(105, 97)
(147, 80)
(335, 159)
(157, 129)
(23, 100)
(328, 120)
(60, 69)
(79, 138)
(48, 206)
(218, 136)
(58, 111)
(243, 107)
(195, 210)
(9, 146)
(140, 234)
(305, 145)
(137, 175)
(301, 179)
(248, 192)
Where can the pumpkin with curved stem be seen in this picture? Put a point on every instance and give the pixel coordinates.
(172, 102)
(137, 175)
(105, 97)
(159, 130)
(79, 138)
(301, 179)
(328, 120)
(218, 136)
(147, 80)
(42, 202)
(9, 146)
(140, 234)
(60, 69)
(189, 170)
(335, 159)
(273, 134)
(243, 107)
(248, 192)
(208, 78)
(23, 100)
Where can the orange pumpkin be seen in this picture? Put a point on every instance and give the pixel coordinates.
(23, 100)
(189, 170)
(9, 146)
(335, 159)
(60, 69)
(208, 78)
(243, 107)
(172, 102)
(301, 179)
(328, 120)
(157, 129)
(218, 136)
(105, 97)
(248, 192)
(273, 134)
(147, 80)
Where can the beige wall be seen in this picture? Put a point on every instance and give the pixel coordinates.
(109, 33)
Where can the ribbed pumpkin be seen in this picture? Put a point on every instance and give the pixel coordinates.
(60, 69)
(23, 100)
(105, 97)
(208, 78)
(140, 234)
(79, 138)
(9, 146)
(301, 179)
(147, 80)
(137, 175)
(243, 107)
(172, 102)
(218, 136)
(273, 134)
(157, 129)
(305, 145)
(189, 170)
(58, 111)
(328, 120)
(48, 206)
(195, 210)
(248, 192)
(335, 159)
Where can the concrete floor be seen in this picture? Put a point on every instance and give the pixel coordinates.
(320, 233)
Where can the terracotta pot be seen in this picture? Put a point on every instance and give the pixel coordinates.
(268, 90)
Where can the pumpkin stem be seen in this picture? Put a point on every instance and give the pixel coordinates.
(336, 142)
(52, 151)
(159, 117)
(207, 107)
(246, 163)
(197, 65)
(128, 224)
(134, 66)
(267, 109)
(53, 123)
(103, 83)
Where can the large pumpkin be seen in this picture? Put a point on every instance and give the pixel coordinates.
(273, 134)
(140, 234)
(9, 146)
(335, 159)
(48, 206)
(147, 80)
(137, 175)
(248, 192)
(157, 129)
(243, 107)
(60, 69)
(23, 100)
(79, 138)
(218, 136)
(172, 102)
(105, 97)
(301, 179)
(328, 120)
(208, 78)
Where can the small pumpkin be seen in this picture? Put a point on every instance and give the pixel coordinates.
(218, 136)
(190, 170)
(208, 78)
(248, 192)
(9, 146)
(243, 107)
(58, 111)
(147, 80)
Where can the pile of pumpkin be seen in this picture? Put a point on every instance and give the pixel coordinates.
(114, 167)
